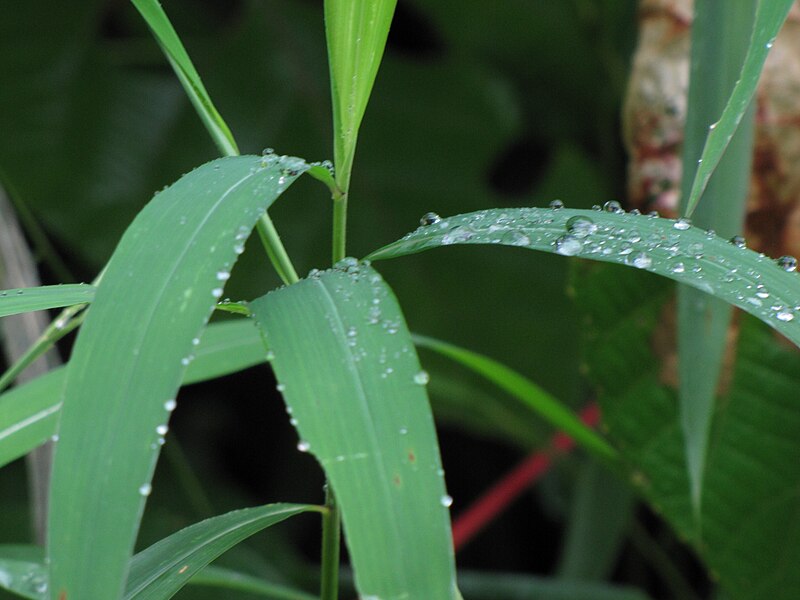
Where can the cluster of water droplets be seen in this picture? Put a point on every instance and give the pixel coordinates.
(677, 248)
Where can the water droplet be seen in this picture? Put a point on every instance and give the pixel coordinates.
(738, 241)
(682, 224)
(162, 429)
(145, 489)
(446, 501)
(581, 227)
(195, 341)
(430, 218)
(678, 267)
(403, 431)
(653, 214)
(270, 355)
(281, 387)
(457, 234)
(303, 446)
(761, 291)
(238, 248)
(785, 315)
(556, 204)
(223, 275)
(515, 238)
(185, 361)
(642, 261)
(635, 212)
(569, 245)
(422, 378)
(54, 438)
(216, 292)
(787, 263)
(613, 206)
(170, 404)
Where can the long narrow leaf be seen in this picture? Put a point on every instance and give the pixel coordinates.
(770, 15)
(29, 413)
(228, 579)
(356, 31)
(22, 571)
(353, 384)
(158, 292)
(173, 48)
(528, 392)
(13, 302)
(765, 288)
(721, 34)
(158, 572)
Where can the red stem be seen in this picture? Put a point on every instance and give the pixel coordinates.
(498, 497)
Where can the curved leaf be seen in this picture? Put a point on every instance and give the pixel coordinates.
(158, 572)
(13, 302)
(667, 247)
(525, 390)
(353, 384)
(158, 292)
(770, 15)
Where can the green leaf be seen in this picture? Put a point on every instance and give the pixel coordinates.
(228, 579)
(770, 15)
(165, 567)
(353, 383)
(669, 248)
(29, 413)
(547, 407)
(173, 48)
(356, 31)
(22, 571)
(158, 292)
(748, 539)
(17, 301)
(721, 34)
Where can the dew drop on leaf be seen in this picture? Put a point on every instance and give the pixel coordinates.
(787, 263)
(738, 241)
(581, 227)
(569, 245)
(682, 224)
(430, 218)
(446, 501)
(422, 378)
(303, 446)
(612, 206)
(556, 204)
(145, 489)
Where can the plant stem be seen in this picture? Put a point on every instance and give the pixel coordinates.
(329, 587)
(339, 228)
(275, 250)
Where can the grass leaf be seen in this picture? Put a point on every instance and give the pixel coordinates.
(667, 247)
(229, 579)
(353, 383)
(29, 413)
(173, 48)
(158, 572)
(721, 36)
(13, 302)
(770, 15)
(356, 31)
(157, 294)
(550, 409)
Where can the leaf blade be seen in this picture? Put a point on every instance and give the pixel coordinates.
(672, 249)
(165, 277)
(16, 301)
(161, 570)
(373, 433)
(768, 21)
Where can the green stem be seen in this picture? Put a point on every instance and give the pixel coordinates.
(61, 326)
(339, 228)
(331, 521)
(275, 250)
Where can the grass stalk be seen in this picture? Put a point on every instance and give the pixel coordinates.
(331, 527)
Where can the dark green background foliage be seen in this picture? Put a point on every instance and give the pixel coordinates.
(476, 105)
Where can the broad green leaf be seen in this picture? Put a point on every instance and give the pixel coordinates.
(173, 48)
(356, 31)
(721, 33)
(158, 572)
(667, 247)
(29, 413)
(228, 579)
(17, 301)
(770, 15)
(158, 292)
(748, 539)
(353, 384)
(547, 407)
